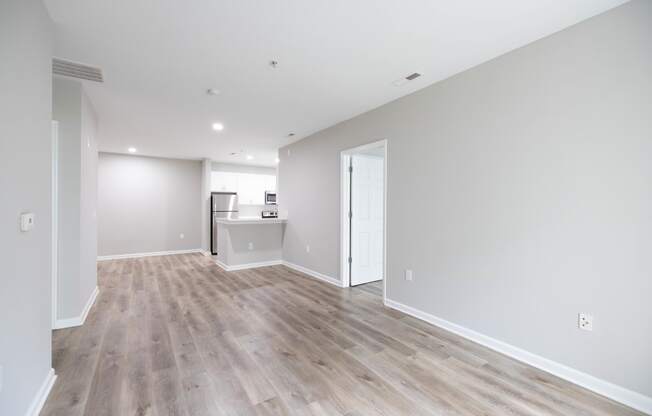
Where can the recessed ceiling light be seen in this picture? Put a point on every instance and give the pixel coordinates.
(250, 157)
(277, 160)
(212, 91)
(132, 150)
(218, 126)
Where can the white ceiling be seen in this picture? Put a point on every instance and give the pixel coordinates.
(337, 59)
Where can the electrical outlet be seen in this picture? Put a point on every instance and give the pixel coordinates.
(307, 248)
(182, 236)
(408, 275)
(251, 246)
(26, 221)
(585, 321)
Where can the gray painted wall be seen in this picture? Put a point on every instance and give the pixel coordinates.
(145, 203)
(77, 198)
(66, 109)
(518, 192)
(25, 185)
(88, 202)
(233, 243)
(205, 201)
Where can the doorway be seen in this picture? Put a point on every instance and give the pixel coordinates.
(363, 219)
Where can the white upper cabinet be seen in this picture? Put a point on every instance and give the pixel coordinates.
(250, 187)
(224, 182)
(270, 183)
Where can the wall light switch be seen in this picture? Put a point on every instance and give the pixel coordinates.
(408, 275)
(26, 221)
(251, 246)
(182, 236)
(307, 248)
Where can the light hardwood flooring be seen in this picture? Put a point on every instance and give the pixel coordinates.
(176, 335)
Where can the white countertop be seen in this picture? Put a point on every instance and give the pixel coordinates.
(250, 220)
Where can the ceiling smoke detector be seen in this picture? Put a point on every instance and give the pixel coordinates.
(76, 70)
(290, 134)
(273, 64)
(402, 81)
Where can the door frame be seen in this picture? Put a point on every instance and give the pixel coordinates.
(345, 223)
(55, 220)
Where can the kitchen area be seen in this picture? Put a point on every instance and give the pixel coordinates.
(246, 230)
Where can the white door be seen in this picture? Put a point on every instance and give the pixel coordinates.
(367, 219)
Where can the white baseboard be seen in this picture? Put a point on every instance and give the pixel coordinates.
(150, 254)
(296, 267)
(617, 393)
(206, 253)
(247, 265)
(313, 273)
(42, 394)
(78, 320)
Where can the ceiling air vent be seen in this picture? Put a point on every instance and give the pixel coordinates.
(402, 81)
(76, 70)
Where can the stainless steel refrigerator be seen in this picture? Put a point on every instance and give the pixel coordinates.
(223, 205)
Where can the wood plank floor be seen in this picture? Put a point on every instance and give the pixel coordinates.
(176, 335)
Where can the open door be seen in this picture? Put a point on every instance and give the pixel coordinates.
(366, 208)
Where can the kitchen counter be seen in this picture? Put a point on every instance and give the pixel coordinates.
(247, 242)
(250, 221)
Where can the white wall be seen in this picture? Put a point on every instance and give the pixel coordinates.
(145, 203)
(77, 197)
(518, 192)
(25, 185)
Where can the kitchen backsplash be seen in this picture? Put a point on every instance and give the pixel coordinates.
(254, 210)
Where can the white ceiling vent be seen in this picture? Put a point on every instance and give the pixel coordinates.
(402, 81)
(76, 70)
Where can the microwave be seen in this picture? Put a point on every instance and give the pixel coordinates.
(270, 198)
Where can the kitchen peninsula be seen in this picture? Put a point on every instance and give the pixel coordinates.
(248, 242)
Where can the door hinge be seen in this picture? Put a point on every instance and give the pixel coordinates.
(350, 169)
(350, 260)
(350, 215)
